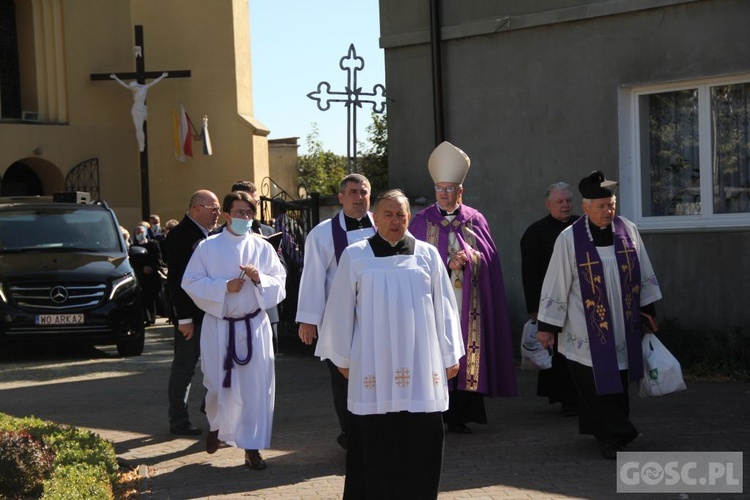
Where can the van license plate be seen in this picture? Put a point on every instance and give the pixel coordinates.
(59, 319)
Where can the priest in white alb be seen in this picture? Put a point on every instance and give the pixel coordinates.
(234, 276)
(391, 327)
(599, 290)
(323, 248)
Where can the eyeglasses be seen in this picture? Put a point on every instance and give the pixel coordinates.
(212, 208)
(449, 190)
(242, 213)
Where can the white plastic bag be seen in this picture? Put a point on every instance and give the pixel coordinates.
(533, 355)
(662, 373)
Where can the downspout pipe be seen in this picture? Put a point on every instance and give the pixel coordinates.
(437, 72)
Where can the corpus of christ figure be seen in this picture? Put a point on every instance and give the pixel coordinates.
(139, 111)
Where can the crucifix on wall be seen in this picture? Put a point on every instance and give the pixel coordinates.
(139, 112)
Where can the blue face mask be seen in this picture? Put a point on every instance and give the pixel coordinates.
(240, 226)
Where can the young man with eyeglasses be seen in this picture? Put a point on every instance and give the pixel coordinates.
(462, 237)
(199, 221)
(237, 357)
(264, 230)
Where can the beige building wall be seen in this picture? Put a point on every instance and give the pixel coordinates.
(283, 166)
(62, 42)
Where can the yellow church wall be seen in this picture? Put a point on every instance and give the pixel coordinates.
(218, 34)
(98, 37)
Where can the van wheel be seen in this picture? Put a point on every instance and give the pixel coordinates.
(133, 345)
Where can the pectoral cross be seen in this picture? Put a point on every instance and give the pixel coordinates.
(589, 264)
(627, 253)
(140, 75)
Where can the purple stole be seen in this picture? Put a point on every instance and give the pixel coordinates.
(340, 239)
(596, 307)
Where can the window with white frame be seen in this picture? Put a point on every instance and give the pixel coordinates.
(691, 155)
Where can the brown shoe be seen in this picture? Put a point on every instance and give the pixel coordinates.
(212, 442)
(253, 460)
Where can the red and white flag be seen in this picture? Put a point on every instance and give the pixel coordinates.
(183, 137)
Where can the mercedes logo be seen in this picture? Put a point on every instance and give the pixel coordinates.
(58, 294)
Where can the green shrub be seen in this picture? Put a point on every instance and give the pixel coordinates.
(708, 353)
(84, 465)
(25, 463)
(73, 482)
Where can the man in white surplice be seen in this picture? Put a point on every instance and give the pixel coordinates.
(237, 357)
(391, 327)
(599, 287)
(323, 248)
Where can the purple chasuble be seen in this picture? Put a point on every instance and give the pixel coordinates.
(596, 306)
(489, 366)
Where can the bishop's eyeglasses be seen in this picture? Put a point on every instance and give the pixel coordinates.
(449, 189)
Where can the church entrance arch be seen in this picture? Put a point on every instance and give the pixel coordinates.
(31, 177)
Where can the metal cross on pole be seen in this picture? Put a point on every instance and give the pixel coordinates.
(352, 97)
(139, 108)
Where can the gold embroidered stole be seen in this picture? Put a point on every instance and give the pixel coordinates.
(472, 306)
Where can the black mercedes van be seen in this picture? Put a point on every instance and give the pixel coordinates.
(65, 274)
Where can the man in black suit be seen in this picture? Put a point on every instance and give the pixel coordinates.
(199, 221)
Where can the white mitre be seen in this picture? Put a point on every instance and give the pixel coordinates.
(447, 163)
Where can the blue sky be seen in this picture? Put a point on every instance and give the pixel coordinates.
(297, 44)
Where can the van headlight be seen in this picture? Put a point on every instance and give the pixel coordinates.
(122, 286)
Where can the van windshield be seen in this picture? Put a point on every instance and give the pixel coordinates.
(58, 229)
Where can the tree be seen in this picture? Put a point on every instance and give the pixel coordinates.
(373, 164)
(320, 171)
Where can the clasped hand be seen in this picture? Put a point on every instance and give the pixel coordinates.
(459, 259)
(235, 285)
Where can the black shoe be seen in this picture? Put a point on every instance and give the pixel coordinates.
(212, 442)
(184, 428)
(341, 440)
(459, 428)
(253, 460)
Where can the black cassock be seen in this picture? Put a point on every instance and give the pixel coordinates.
(537, 245)
(375, 468)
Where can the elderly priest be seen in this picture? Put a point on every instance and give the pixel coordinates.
(391, 326)
(598, 290)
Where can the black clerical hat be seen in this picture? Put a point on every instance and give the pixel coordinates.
(595, 186)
